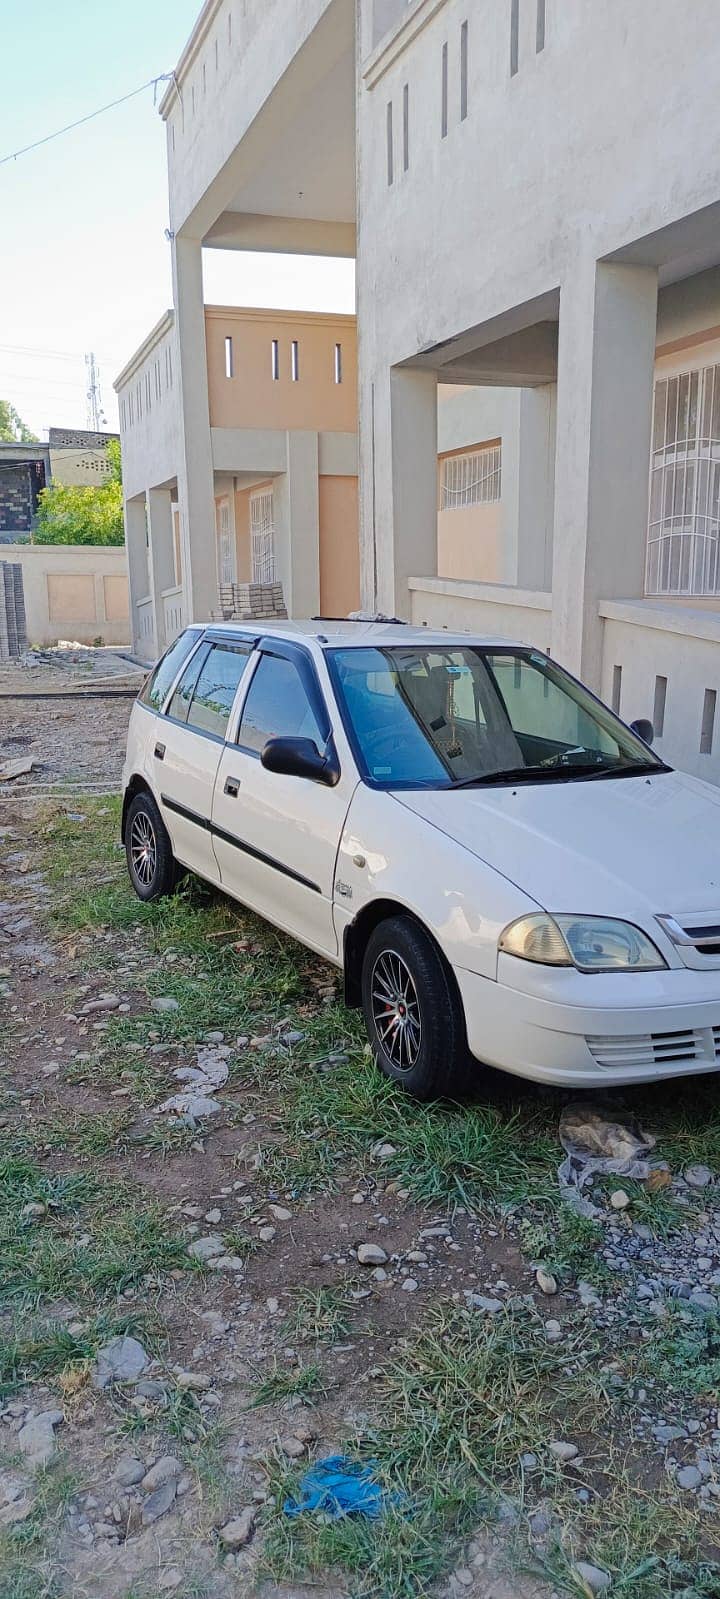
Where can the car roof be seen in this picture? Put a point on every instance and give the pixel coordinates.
(329, 632)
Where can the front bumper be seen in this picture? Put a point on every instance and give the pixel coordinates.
(566, 1027)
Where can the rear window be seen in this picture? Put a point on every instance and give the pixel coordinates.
(160, 681)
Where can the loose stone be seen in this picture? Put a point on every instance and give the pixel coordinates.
(371, 1255)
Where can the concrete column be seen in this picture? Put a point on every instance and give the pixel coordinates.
(137, 561)
(535, 481)
(296, 516)
(608, 317)
(403, 521)
(195, 474)
(161, 566)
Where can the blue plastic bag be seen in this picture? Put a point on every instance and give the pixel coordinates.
(342, 1487)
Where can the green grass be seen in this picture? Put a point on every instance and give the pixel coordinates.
(683, 1353)
(456, 1409)
(281, 1383)
(564, 1242)
(319, 1316)
(27, 1567)
(40, 1349)
(92, 1244)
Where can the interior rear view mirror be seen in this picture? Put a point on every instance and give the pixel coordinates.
(644, 729)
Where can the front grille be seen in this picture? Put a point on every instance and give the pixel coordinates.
(696, 941)
(702, 938)
(637, 1050)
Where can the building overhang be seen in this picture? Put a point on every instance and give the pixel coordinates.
(268, 161)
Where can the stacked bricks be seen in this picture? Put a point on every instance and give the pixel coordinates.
(13, 631)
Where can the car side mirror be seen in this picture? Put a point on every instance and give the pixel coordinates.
(300, 757)
(644, 729)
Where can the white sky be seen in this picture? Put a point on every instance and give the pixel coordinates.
(84, 264)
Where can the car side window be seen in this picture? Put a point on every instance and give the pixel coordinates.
(156, 688)
(277, 706)
(216, 687)
(180, 702)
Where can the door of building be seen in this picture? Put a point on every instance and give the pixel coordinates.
(262, 537)
(226, 565)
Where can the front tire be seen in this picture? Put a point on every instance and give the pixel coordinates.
(148, 850)
(412, 1010)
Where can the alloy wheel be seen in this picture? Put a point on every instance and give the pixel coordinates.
(143, 848)
(396, 1010)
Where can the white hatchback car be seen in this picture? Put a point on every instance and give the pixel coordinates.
(501, 867)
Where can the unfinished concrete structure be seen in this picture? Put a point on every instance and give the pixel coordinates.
(531, 189)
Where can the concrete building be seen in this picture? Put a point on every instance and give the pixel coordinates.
(78, 456)
(261, 487)
(24, 473)
(532, 192)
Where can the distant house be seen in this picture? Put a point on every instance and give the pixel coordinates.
(24, 472)
(71, 456)
(78, 456)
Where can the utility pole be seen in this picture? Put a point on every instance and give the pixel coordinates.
(96, 418)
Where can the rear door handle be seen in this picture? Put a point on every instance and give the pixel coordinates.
(232, 787)
(159, 752)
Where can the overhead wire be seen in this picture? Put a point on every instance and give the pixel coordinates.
(152, 83)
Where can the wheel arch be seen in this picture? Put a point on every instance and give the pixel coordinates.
(356, 939)
(136, 785)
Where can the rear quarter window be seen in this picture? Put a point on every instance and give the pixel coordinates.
(158, 684)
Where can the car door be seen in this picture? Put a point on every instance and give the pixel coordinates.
(189, 743)
(276, 836)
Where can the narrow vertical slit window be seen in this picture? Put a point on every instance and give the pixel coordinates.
(406, 127)
(708, 721)
(390, 152)
(294, 361)
(616, 688)
(464, 72)
(540, 26)
(659, 706)
(275, 360)
(338, 363)
(514, 36)
(229, 368)
(444, 92)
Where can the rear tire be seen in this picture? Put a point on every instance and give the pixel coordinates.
(413, 1013)
(150, 860)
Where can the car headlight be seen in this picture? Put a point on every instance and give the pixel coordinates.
(591, 943)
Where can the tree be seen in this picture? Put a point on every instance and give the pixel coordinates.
(12, 427)
(69, 514)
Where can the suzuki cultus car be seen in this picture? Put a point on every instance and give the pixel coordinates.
(504, 871)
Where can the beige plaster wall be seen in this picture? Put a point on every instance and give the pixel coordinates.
(339, 545)
(252, 398)
(73, 592)
(469, 543)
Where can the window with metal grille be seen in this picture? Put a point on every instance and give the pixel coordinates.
(262, 537)
(683, 547)
(473, 479)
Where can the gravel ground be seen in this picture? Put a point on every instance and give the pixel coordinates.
(229, 1250)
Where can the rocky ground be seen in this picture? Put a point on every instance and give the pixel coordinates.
(229, 1250)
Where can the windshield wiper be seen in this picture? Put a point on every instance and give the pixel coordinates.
(562, 774)
(512, 774)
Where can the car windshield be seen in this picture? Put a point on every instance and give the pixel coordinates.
(442, 718)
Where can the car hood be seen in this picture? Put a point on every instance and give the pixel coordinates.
(615, 846)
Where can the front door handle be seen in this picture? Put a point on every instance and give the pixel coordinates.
(232, 787)
(159, 752)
